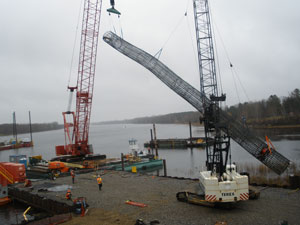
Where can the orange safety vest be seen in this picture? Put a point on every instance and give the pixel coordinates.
(264, 151)
(72, 173)
(99, 180)
(68, 195)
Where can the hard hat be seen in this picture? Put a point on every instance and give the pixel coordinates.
(69, 190)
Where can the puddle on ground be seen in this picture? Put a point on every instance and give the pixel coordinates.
(60, 188)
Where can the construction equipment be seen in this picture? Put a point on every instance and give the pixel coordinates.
(221, 183)
(80, 205)
(62, 167)
(76, 125)
(244, 136)
(10, 173)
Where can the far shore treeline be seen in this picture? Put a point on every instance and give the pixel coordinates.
(7, 129)
(273, 112)
(277, 114)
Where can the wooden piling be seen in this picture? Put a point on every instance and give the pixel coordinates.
(151, 141)
(191, 137)
(30, 128)
(155, 141)
(165, 168)
(122, 160)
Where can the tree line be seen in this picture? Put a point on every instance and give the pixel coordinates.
(273, 111)
(7, 129)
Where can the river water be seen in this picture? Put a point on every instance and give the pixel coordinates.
(112, 140)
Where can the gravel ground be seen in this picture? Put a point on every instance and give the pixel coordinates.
(108, 205)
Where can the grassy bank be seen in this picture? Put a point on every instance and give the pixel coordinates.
(263, 176)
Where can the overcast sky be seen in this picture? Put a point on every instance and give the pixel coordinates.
(262, 40)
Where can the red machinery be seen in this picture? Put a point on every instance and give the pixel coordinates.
(77, 130)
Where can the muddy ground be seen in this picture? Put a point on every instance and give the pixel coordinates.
(159, 194)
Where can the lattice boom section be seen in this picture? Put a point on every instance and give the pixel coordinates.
(249, 140)
(242, 135)
(86, 68)
(174, 82)
(206, 60)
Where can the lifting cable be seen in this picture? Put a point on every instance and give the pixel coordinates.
(236, 89)
(113, 26)
(75, 41)
(233, 71)
(215, 48)
(191, 36)
(120, 25)
(171, 34)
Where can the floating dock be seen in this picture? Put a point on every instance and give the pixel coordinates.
(178, 143)
(139, 166)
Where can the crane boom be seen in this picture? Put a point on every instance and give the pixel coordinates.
(244, 136)
(217, 153)
(86, 72)
(205, 48)
(76, 125)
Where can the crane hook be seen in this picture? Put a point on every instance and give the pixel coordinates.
(112, 9)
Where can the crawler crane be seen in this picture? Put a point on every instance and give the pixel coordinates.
(76, 124)
(220, 183)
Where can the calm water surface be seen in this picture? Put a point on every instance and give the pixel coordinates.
(112, 140)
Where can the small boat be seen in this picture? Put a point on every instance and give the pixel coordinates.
(135, 151)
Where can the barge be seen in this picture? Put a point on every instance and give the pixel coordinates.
(178, 143)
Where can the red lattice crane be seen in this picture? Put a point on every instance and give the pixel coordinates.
(77, 130)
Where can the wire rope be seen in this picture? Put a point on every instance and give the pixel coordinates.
(75, 41)
(192, 42)
(120, 25)
(236, 74)
(230, 63)
(216, 51)
(171, 34)
(237, 93)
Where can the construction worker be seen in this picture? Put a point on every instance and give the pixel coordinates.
(263, 153)
(68, 195)
(73, 175)
(27, 183)
(99, 181)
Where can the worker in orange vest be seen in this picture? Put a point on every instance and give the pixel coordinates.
(68, 195)
(263, 153)
(99, 181)
(27, 183)
(73, 175)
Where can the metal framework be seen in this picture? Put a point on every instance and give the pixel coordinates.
(76, 143)
(86, 71)
(206, 58)
(238, 132)
(216, 154)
